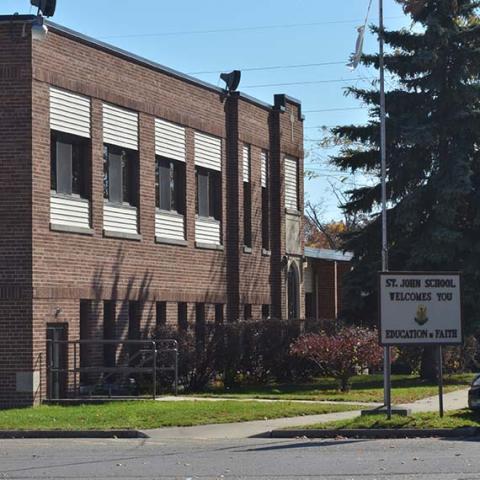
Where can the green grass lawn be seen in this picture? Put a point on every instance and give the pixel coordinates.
(151, 414)
(368, 388)
(454, 419)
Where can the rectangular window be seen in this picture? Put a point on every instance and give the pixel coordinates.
(208, 193)
(265, 202)
(109, 333)
(182, 317)
(247, 197)
(133, 331)
(219, 313)
(120, 184)
(247, 215)
(69, 164)
(265, 311)
(85, 334)
(170, 185)
(161, 314)
(200, 327)
(291, 183)
(247, 311)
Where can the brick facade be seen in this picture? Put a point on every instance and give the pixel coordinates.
(51, 277)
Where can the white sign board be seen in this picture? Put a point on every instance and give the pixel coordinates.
(420, 308)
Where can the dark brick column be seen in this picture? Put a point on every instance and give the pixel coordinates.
(277, 218)
(232, 241)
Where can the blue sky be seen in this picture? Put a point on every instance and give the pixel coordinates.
(213, 36)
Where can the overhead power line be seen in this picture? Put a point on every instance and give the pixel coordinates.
(313, 82)
(238, 29)
(273, 67)
(333, 110)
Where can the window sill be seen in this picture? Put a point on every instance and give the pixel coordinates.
(171, 241)
(290, 211)
(125, 206)
(121, 235)
(209, 246)
(70, 229)
(247, 249)
(266, 253)
(173, 213)
(66, 196)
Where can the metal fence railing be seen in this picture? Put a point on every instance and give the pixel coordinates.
(93, 368)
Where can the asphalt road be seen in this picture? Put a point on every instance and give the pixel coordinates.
(237, 459)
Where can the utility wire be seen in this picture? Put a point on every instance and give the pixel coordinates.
(271, 67)
(333, 110)
(238, 29)
(313, 82)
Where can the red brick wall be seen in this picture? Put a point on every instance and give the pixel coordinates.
(15, 212)
(52, 270)
(329, 302)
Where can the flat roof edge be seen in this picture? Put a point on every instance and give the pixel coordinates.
(68, 32)
(16, 18)
(325, 254)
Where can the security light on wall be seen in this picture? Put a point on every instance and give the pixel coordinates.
(46, 8)
(232, 80)
(39, 29)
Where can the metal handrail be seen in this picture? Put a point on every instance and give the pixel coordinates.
(168, 346)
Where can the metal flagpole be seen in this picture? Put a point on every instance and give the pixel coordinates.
(383, 152)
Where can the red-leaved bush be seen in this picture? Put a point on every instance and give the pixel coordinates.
(338, 355)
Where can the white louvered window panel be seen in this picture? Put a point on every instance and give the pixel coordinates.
(246, 163)
(69, 211)
(169, 225)
(120, 219)
(291, 183)
(264, 167)
(207, 231)
(120, 127)
(169, 140)
(308, 280)
(208, 151)
(69, 113)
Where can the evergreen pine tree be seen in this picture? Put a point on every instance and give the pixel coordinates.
(433, 155)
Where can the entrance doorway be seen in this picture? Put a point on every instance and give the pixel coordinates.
(293, 287)
(57, 360)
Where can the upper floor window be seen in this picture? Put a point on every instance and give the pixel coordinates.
(70, 141)
(69, 164)
(291, 183)
(265, 201)
(209, 197)
(247, 197)
(208, 167)
(170, 185)
(120, 167)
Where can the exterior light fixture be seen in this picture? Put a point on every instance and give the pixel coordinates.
(39, 29)
(232, 80)
(46, 8)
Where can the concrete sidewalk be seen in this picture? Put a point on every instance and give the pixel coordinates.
(452, 401)
(180, 398)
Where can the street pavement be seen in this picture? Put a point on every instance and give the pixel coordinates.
(426, 459)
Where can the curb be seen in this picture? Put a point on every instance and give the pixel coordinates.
(18, 434)
(378, 433)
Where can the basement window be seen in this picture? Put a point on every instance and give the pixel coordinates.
(120, 180)
(69, 164)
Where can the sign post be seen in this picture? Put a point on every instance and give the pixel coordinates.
(421, 308)
(440, 380)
